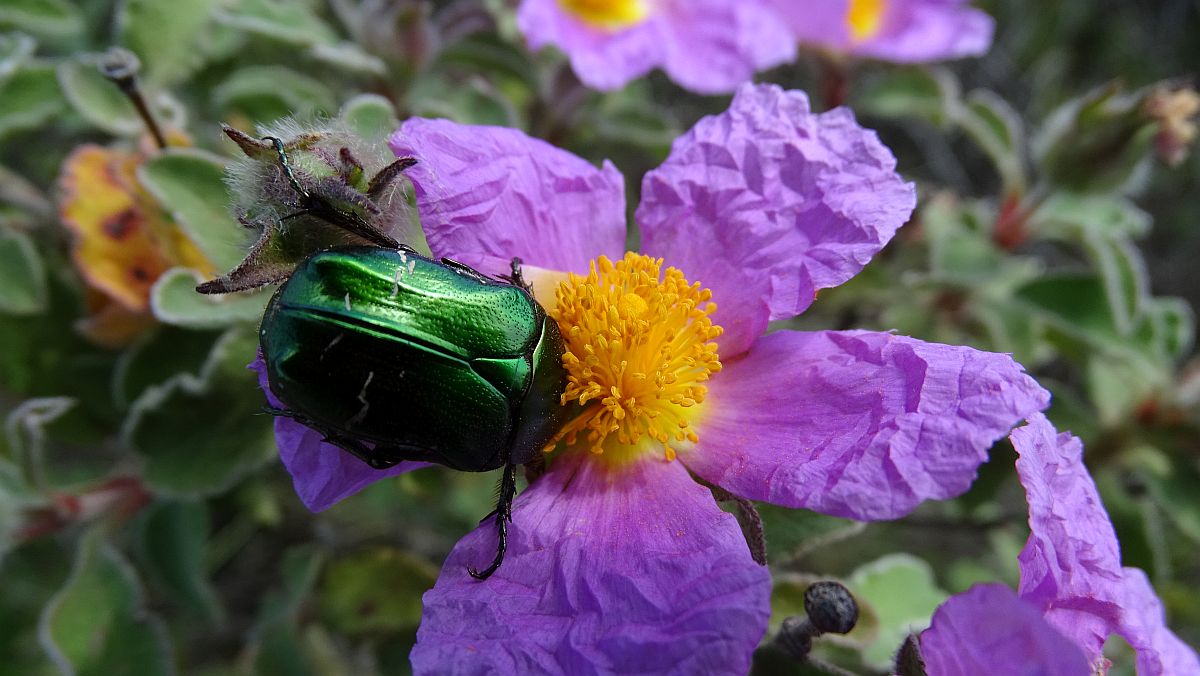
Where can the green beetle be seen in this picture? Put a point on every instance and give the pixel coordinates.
(394, 356)
(426, 360)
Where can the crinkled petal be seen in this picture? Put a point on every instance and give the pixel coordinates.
(912, 31)
(857, 424)
(608, 571)
(322, 473)
(988, 626)
(707, 46)
(771, 202)
(1143, 625)
(1071, 565)
(495, 191)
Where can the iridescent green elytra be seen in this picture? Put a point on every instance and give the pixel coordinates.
(421, 359)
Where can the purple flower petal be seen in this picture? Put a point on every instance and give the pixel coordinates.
(1071, 565)
(858, 424)
(631, 570)
(988, 625)
(913, 31)
(768, 202)
(1159, 651)
(707, 46)
(321, 473)
(496, 191)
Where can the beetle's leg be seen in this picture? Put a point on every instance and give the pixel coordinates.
(379, 457)
(518, 277)
(508, 489)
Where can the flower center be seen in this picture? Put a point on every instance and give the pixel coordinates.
(865, 18)
(609, 14)
(639, 345)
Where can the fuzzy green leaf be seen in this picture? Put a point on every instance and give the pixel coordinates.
(375, 591)
(266, 93)
(290, 22)
(97, 625)
(29, 99)
(97, 99)
(175, 301)
(57, 18)
(22, 275)
(166, 35)
(190, 184)
(370, 116)
(199, 434)
(173, 540)
(903, 594)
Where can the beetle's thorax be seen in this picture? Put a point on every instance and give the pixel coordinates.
(639, 347)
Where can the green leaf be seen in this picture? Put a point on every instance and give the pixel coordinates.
(190, 184)
(22, 275)
(370, 116)
(266, 93)
(173, 540)
(1173, 322)
(1065, 215)
(350, 57)
(927, 93)
(903, 594)
(158, 357)
(959, 252)
(1123, 273)
(25, 433)
(29, 99)
(1077, 307)
(55, 18)
(997, 129)
(792, 533)
(97, 99)
(475, 101)
(198, 435)
(175, 301)
(1116, 387)
(486, 55)
(291, 22)
(166, 35)
(97, 624)
(15, 50)
(375, 591)
(281, 649)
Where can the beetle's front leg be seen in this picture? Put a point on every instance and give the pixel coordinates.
(517, 277)
(378, 457)
(508, 489)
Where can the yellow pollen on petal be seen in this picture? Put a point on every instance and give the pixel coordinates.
(865, 18)
(639, 347)
(608, 14)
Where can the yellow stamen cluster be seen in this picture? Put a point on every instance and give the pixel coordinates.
(609, 14)
(865, 18)
(638, 348)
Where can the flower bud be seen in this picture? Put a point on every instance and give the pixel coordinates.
(830, 607)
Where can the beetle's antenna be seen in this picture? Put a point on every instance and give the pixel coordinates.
(286, 166)
(120, 66)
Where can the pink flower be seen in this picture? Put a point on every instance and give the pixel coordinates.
(712, 46)
(618, 559)
(904, 31)
(1073, 592)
